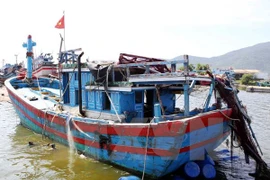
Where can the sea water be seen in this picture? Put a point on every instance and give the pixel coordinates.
(20, 161)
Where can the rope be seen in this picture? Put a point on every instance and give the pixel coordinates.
(44, 125)
(69, 81)
(160, 102)
(41, 94)
(79, 129)
(145, 153)
(229, 117)
(106, 87)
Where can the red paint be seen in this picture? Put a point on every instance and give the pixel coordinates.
(172, 127)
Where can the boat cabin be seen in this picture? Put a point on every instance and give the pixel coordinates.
(128, 92)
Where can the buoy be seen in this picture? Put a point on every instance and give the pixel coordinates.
(129, 178)
(192, 169)
(209, 160)
(208, 171)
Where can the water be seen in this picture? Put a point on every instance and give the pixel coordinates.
(20, 161)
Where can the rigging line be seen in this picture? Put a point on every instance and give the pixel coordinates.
(228, 116)
(160, 101)
(44, 125)
(204, 101)
(41, 94)
(172, 104)
(79, 129)
(124, 76)
(69, 80)
(106, 87)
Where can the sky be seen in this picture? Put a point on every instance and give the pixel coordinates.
(154, 28)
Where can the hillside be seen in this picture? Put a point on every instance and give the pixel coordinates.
(253, 57)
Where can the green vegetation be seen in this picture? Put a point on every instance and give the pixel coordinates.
(191, 67)
(247, 79)
(201, 68)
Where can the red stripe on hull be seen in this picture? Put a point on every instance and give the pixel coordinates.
(171, 129)
(130, 149)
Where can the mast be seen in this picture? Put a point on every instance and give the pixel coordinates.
(186, 86)
(59, 67)
(29, 54)
(16, 55)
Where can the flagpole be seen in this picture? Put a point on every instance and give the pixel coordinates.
(61, 25)
(59, 71)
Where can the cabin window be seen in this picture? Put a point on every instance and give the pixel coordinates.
(107, 103)
(138, 97)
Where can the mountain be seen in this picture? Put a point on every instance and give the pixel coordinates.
(253, 57)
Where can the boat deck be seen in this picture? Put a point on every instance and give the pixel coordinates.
(47, 99)
(44, 99)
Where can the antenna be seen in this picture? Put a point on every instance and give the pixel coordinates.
(16, 55)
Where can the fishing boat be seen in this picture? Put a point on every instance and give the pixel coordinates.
(8, 71)
(43, 65)
(123, 113)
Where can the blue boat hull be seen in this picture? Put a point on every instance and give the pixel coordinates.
(154, 149)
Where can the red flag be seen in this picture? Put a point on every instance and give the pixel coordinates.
(61, 23)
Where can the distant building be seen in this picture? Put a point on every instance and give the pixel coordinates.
(238, 73)
(220, 71)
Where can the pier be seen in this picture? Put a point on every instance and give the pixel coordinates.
(258, 89)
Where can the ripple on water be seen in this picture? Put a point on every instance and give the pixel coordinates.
(19, 161)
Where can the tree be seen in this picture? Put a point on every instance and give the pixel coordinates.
(246, 79)
(201, 68)
(191, 67)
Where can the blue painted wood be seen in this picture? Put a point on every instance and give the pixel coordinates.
(154, 164)
(29, 46)
(84, 98)
(115, 97)
(157, 113)
(168, 101)
(186, 99)
(207, 101)
(99, 100)
(72, 95)
(139, 109)
(166, 153)
(185, 140)
(91, 100)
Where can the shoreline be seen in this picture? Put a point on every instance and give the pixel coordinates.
(241, 87)
(4, 94)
